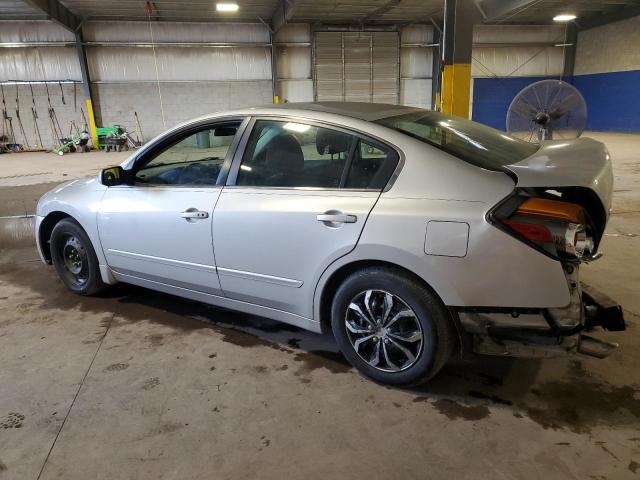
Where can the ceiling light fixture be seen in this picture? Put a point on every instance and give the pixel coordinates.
(564, 17)
(227, 7)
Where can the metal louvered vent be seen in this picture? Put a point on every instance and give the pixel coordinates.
(357, 66)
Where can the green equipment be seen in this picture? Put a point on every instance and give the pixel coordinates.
(77, 143)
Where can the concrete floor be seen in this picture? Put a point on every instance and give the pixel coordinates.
(140, 385)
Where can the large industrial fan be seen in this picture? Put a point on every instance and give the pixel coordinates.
(547, 110)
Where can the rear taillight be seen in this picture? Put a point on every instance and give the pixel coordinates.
(558, 228)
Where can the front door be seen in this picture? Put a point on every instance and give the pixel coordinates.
(296, 202)
(159, 227)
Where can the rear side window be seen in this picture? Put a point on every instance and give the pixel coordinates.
(472, 142)
(372, 166)
(289, 154)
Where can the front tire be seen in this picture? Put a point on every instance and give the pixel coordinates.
(390, 327)
(75, 259)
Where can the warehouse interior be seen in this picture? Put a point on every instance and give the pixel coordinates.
(135, 384)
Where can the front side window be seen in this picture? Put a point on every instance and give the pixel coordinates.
(195, 160)
(289, 154)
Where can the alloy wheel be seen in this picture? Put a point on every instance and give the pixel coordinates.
(384, 331)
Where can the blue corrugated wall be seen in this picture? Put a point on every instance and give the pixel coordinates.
(613, 99)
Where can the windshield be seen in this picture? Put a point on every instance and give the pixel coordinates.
(470, 141)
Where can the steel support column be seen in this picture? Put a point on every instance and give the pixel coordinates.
(459, 18)
(87, 90)
(436, 69)
(274, 71)
(571, 43)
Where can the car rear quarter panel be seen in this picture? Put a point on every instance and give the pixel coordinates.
(497, 270)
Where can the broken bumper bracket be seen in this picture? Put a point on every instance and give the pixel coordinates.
(601, 311)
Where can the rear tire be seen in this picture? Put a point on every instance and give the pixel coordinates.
(391, 327)
(75, 259)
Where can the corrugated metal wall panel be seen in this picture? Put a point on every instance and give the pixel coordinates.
(132, 32)
(518, 33)
(51, 63)
(517, 61)
(33, 31)
(108, 64)
(417, 34)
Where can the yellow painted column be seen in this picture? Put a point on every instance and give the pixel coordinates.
(456, 88)
(459, 19)
(92, 123)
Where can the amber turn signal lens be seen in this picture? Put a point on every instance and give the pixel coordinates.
(542, 207)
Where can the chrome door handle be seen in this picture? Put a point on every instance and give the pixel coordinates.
(336, 218)
(194, 214)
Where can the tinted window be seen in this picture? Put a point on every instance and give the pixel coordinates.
(194, 160)
(372, 166)
(288, 154)
(475, 143)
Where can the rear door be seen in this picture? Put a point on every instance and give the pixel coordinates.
(295, 201)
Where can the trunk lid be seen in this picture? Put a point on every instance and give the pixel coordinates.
(583, 163)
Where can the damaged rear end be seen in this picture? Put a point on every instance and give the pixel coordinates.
(560, 208)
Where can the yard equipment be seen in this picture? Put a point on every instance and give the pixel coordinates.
(115, 139)
(77, 143)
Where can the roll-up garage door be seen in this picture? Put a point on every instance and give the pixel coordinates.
(356, 66)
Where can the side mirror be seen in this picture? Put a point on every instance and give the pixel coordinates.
(112, 176)
(225, 131)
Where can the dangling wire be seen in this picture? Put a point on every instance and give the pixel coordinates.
(149, 10)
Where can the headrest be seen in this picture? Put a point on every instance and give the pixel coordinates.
(329, 142)
(284, 154)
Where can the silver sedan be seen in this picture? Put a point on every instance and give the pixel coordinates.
(411, 235)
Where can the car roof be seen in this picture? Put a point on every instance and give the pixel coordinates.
(360, 110)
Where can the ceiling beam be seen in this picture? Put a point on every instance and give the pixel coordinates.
(282, 14)
(380, 10)
(598, 20)
(494, 9)
(56, 12)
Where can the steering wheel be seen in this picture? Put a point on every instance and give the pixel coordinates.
(194, 174)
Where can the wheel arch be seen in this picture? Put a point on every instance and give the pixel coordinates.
(328, 287)
(45, 230)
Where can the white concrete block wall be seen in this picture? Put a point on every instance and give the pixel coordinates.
(610, 48)
(181, 100)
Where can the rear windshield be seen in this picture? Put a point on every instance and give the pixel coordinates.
(470, 141)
